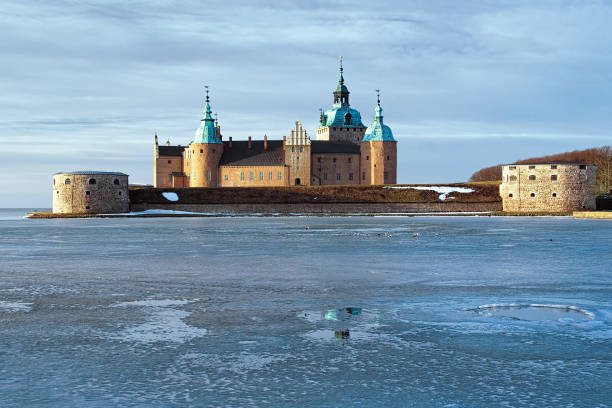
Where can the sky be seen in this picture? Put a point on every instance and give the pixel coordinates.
(464, 84)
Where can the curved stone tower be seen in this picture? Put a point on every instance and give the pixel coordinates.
(205, 152)
(90, 192)
(378, 152)
(548, 187)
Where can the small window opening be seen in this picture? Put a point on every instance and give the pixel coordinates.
(532, 177)
(512, 167)
(553, 166)
(553, 177)
(532, 195)
(531, 167)
(92, 181)
(87, 193)
(87, 207)
(582, 167)
(201, 150)
(554, 194)
(169, 161)
(120, 193)
(510, 195)
(67, 181)
(349, 159)
(319, 159)
(116, 182)
(388, 158)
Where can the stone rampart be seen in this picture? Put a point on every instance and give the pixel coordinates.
(90, 192)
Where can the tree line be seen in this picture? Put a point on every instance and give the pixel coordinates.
(599, 156)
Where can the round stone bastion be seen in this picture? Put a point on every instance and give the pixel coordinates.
(90, 192)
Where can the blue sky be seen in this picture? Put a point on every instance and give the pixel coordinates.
(465, 84)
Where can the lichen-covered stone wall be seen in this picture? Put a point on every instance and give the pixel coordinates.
(90, 193)
(561, 187)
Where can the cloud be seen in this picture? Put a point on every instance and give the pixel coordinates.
(99, 77)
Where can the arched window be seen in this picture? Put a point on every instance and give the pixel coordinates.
(67, 181)
(347, 118)
(116, 182)
(92, 181)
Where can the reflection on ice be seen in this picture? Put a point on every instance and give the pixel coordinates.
(341, 314)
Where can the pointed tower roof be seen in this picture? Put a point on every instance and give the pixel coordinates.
(378, 131)
(207, 132)
(341, 114)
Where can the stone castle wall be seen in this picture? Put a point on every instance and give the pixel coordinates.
(378, 162)
(90, 193)
(204, 164)
(341, 134)
(561, 187)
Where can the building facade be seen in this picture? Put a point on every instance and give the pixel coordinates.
(548, 187)
(345, 152)
(90, 192)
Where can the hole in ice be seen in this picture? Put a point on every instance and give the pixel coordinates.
(339, 315)
(533, 311)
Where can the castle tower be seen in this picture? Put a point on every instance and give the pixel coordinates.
(378, 152)
(205, 152)
(341, 123)
(297, 156)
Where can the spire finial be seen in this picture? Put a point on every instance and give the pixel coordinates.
(216, 119)
(341, 70)
(206, 86)
(378, 96)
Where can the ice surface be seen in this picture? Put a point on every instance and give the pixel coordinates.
(230, 311)
(170, 196)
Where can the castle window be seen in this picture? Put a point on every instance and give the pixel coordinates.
(120, 193)
(338, 176)
(553, 166)
(225, 177)
(334, 128)
(367, 157)
(251, 176)
(512, 178)
(280, 175)
(67, 181)
(201, 150)
(553, 177)
(582, 166)
(334, 160)
(87, 207)
(350, 160)
(87, 193)
(293, 149)
(92, 181)
(324, 176)
(319, 159)
(169, 161)
(512, 167)
(214, 150)
(208, 175)
(301, 149)
(388, 158)
(554, 194)
(510, 195)
(242, 176)
(363, 175)
(350, 176)
(261, 175)
(386, 174)
(116, 182)
(170, 177)
(532, 195)
(270, 176)
(532, 177)
(57, 191)
(531, 167)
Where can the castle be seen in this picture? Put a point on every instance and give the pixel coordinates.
(345, 152)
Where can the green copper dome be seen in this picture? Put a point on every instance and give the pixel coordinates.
(341, 114)
(207, 132)
(378, 131)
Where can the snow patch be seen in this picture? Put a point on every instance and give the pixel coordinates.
(170, 196)
(165, 324)
(444, 191)
(14, 307)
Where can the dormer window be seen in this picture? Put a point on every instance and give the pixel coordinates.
(347, 118)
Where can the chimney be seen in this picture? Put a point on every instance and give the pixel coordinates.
(284, 142)
(230, 142)
(265, 142)
(250, 144)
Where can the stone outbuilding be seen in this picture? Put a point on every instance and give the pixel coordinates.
(548, 187)
(90, 192)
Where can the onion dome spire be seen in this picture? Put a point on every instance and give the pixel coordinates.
(341, 94)
(207, 132)
(378, 131)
